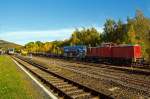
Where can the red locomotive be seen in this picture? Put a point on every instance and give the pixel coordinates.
(123, 54)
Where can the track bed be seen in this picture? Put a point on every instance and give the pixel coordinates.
(111, 82)
(64, 87)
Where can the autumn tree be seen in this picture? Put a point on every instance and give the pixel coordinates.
(109, 28)
(89, 36)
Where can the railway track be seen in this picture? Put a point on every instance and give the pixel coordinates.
(122, 79)
(65, 88)
(129, 69)
(128, 81)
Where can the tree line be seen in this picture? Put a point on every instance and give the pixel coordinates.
(134, 31)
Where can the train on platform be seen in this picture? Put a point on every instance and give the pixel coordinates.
(106, 53)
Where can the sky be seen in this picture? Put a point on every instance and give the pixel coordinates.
(22, 21)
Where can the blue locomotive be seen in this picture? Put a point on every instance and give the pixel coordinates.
(75, 51)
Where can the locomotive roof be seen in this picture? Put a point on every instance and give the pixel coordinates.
(121, 45)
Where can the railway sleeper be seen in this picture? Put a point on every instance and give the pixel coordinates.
(75, 92)
(60, 83)
(44, 76)
(69, 88)
(52, 78)
(41, 73)
(63, 86)
(48, 76)
(82, 96)
(56, 81)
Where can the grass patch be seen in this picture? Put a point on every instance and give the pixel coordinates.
(14, 84)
